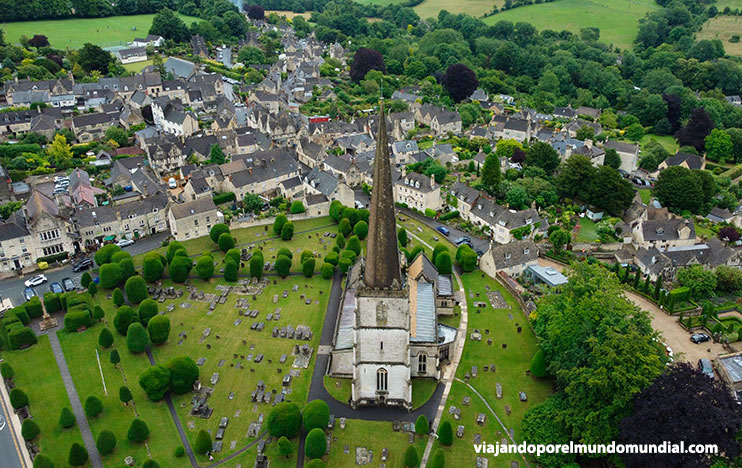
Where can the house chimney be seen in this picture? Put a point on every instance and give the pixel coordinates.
(589, 143)
(432, 181)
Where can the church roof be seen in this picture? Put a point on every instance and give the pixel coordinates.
(423, 314)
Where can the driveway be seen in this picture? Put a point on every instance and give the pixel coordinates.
(675, 336)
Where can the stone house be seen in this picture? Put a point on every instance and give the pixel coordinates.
(417, 191)
(629, 154)
(511, 259)
(193, 219)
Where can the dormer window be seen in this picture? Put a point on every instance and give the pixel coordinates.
(525, 251)
(660, 230)
(529, 220)
(507, 256)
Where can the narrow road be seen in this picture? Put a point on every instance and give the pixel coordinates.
(69, 385)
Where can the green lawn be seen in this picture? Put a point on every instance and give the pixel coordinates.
(422, 390)
(703, 231)
(37, 374)
(73, 33)
(668, 141)
(374, 436)
(137, 67)
(645, 194)
(617, 20)
(587, 231)
(338, 388)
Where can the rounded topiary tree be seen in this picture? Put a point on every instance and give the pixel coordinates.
(205, 267)
(361, 229)
(315, 445)
(151, 464)
(125, 316)
(231, 270)
(30, 430)
(147, 310)
(137, 339)
(340, 240)
(86, 279)
(18, 398)
(316, 415)
(153, 267)
(127, 268)
(284, 420)
(42, 461)
(411, 458)
(422, 426)
(159, 329)
(110, 275)
(445, 434)
(203, 443)
(438, 460)
(104, 254)
(78, 455)
(327, 270)
(278, 224)
(234, 254)
(285, 251)
(98, 313)
(7, 371)
(226, 242)
(468, 261)
(308, 267)
(115, 358)
(118, 297)
(179, 451)
(136, 289)
(439, 247)
(183, 374)
(283, 266)
(105, 338)
(316, 463)
(93, 406)
(287, 231)
(256, 265)
(93, 289)
(138, 432)
(354, 245)
(443, 263)
(402, 237)
(172, 249)
(284, 447)
(538, 365)
(66, 418)
(179, 268)
(217, 230)
(155, 381)
(106, 442)
(344, 228)
(125, 395)
(297, 207)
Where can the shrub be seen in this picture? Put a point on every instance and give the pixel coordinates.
(283, 266)
(93, 289)
(203, 443)
(78, 455)
(127, 269)
(173, 248)
(179, 451)
(22, 315)
(30, 430)
(52, 302)
(327, 270)
(118, 256)
(445, 434)
(284, 447)
(110, 275)
(440, 247)
(287, 232)
(93, 406)
(152, 267)
(183, 373)
(125, 394)
(179, 268)
(217, 230)
(336, 210)
(137, 339)
(256, 266)
(205, 267)
(104, 254)
(7, 371)
(344, 227)
(33, 307)
(354, 244)
(411, 458)
(138, 432)
(443, 263)
(278, 224)
(226, 242)
(315, 444)
(284, 420)
(297, 207)
(118, 297)
(340, 241)
(115, 358)
(125, 316)
(136, 289)
(22, 337)
(106, 442)
(361, 229)
(538, 365)
(438, 460)
(147, 310)
(42, 461)
(155, 381)
(66, 418)
(306, 255)
(316, 415)
(422, 426)
(402, 237)
(225, 197)
(308, 267)
(159, 329)
(345, 264)
(332, 258)
(86, 279)
(98, 313)
(151, 464)
(105, 338)
(75, 320)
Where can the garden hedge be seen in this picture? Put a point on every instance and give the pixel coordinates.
(22, 337)
(33, 307)
(51, 302)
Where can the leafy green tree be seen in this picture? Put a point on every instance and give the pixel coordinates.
(284, 419)
(78, 455)
(92, 289)
(287, 231)
(719, 146)
(93, 406)
(118, 135)
(105, 338)
(284, 447)
(66, 418)
(42, 461)
(6, 371)
(491, 174)
(700, 281)
(159, 329)
(402, 236)
(106, 442)
(445, 434)
(542, 424)
(30, 430)
(612, 159)
(559, 238)
(575, 176)
(307, 267)
(542, 155)
(118, 297)
(315, 444)
(252, 203)
(610, 191)
(150, 464)
(443, 263)
(411, 458)
(256, 266)
(155, 381)
(538, 365)
(125, 395)
(203, 443)
(634, 132)
(168, 25)
(422, 427)
(179, 268)
(217, 230)
(297, 207)
(316, 415)
(183, 374)
(205, 267)
(110, 275)
(283, 266)
(679, 189)
(152, 267)
(86, 279)
(136, 289)
(361, 229)
(438, 460)
(327, 270)
(278, 224)
(226, 242)
(18, 398)
(138, 432)
(137, 339)
(125, 316)
(147, 310)
(105, 253)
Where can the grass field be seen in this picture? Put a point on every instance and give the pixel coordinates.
(645, 194)
(723, 27)
(374, 436)
(667, 141)
(73, 33)
(137, 67)
(289, 14)
(617, 20)
(587, 231)
(721, 4)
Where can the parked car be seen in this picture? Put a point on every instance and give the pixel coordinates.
(462, 240)
(359, 205)
(443, 230)
(36, 281)
(68, 284)
(172, 183)
(29, 293)
(704, 365)
(699, 338)
(56, 288)
(124, 243)
(82, 265)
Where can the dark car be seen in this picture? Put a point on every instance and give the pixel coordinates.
(68, 284)
(443, 230)
(462, 240)
(56, 288)
(29, 293)
(82, 265)
(699, 338)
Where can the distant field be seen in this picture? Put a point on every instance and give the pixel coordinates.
(73, 33)
(723, 27)
(721, 4)
(617, 20)
(430, 8)
(289, 14)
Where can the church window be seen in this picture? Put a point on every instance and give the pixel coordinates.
(381, 380)
(422, 363)
(382, 345)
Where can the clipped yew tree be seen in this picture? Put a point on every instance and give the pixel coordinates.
(217, 230)
(18, 398)
(42, 461)
(203, 443)
(155, 381)
(66, 418)
(147, 310)
(106, 442)
(30, 430)
(205, 267)
(138, 432)
(105, 338)
(159, 329)
(136, 289)
(445, 433)
(315, 444)
(226, 242)
(104, 254)
(93, 407)
(283, 266)
(125, 316)
(316, 415)
(110, 275)
(284, 420)
(137, 339)
(118, 297)
(231, 270)
(278, 224)
(183, 374)
(179, 268)
(256, 265)
(78, 455)
(287, 231)
(153, 266)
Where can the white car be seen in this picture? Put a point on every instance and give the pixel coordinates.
(35, 281)
(2, 422)
(172, 183)
(124, 243)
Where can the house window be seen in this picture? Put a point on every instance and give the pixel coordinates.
(107, 229)
(208, 219)
(422, 363)
(195, 222)
(381, 380)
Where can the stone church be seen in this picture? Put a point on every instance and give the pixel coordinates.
(388, 330)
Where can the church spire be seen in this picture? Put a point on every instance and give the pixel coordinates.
(382, 256)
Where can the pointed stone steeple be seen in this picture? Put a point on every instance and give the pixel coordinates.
(382, 256)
